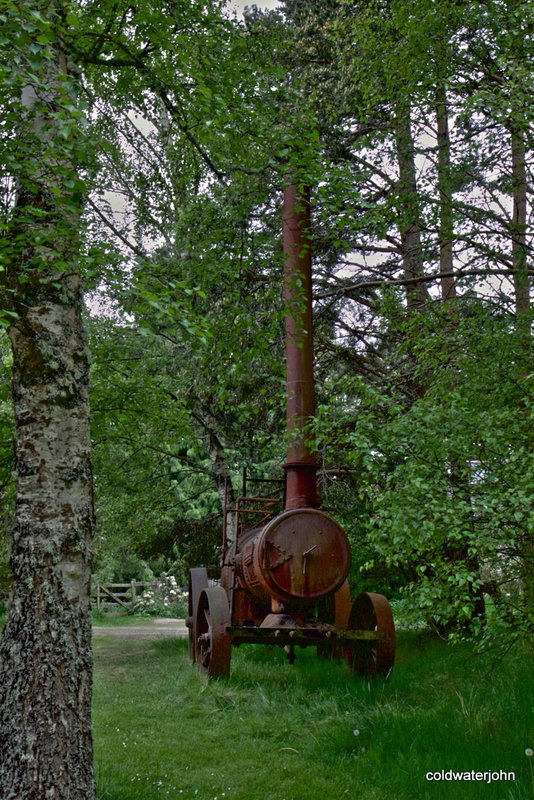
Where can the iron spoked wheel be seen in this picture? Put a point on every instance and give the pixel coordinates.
(212, 643)
(198, 580)
(371, 612)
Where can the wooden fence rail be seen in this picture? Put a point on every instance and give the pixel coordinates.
(119, 594)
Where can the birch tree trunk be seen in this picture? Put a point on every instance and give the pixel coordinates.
(45, 650)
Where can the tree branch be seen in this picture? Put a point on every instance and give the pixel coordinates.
(116, 231)
(342, 291)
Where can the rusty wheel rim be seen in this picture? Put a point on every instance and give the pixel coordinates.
(371, 612)
(198, 580)
(212, 643)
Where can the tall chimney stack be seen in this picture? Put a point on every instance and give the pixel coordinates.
(301, 466)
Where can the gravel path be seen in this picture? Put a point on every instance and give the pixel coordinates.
(158, 629)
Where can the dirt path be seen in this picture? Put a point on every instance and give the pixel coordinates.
(157, 629)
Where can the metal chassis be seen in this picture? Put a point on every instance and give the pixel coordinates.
(301, 636)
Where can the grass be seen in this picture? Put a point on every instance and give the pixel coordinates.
(272, 731)
(120, 618)
(108, 619)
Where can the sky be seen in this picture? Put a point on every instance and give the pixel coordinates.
(239, 5)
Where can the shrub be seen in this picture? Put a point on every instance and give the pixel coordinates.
(164, 599)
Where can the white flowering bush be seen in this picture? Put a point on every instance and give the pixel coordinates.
(163, 599)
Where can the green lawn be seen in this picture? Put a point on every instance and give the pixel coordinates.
(278, 732)
(122, 619)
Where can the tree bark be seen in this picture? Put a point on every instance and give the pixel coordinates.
(518, 233)
(448, 289)
(518, 226)
(408, 209)
(523, 316)
(518, 229)
(219, 466)
(45, 650)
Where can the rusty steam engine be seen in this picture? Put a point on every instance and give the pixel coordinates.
(284, 577)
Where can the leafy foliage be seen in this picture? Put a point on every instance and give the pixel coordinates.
(195, 119)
